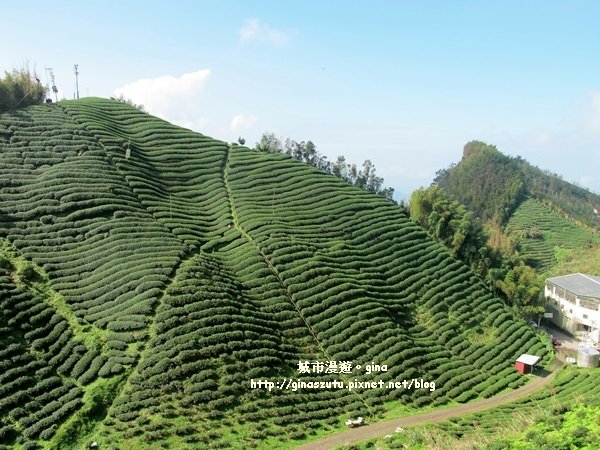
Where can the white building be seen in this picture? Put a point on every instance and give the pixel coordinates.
(575, 302)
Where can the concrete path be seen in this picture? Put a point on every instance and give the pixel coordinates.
(354, 435)
(569, 345)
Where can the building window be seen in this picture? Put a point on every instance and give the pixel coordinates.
(585, 316)
(589, 303)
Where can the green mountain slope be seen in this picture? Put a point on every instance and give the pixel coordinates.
(543, 236)
(548, 218)
(493, 185)
(149, 273)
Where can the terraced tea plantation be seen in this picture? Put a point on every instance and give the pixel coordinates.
(149, 273)
(541, 232)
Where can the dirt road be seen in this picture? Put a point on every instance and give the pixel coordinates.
(354, 435)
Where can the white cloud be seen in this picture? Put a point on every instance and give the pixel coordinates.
(176, 99)
(192, 124)
(254, 30)
(241, 123)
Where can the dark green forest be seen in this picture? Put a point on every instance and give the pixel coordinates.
(506, 273)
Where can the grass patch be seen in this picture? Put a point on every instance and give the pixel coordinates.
(481, 336)
(585, 260)
(98, 397)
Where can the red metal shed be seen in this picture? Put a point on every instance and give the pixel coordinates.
(526, 362)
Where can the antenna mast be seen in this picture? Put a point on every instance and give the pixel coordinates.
(54, 88)
(76, 66)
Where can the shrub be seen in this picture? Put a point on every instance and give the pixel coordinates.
(5, 262)
(20, 88)
(27, 271)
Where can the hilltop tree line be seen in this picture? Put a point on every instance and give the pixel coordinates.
(451, 224)
(20, 88)
(121, 98)
(567, 198)
(364, 177)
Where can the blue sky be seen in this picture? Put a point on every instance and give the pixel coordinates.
(403, 83)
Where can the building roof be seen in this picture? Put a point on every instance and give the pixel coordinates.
(530, 360)
(579, 284)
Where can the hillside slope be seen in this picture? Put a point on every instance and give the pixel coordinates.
(143, 288)
(493, 185)
(544, 236)
(546, 217)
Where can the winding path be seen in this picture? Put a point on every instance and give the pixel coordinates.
(354, 435)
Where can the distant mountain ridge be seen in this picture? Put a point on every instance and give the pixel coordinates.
(493, 185)
(548, 218)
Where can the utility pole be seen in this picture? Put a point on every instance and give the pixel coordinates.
(76, 66)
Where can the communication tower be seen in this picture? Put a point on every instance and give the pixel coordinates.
(54, 88)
